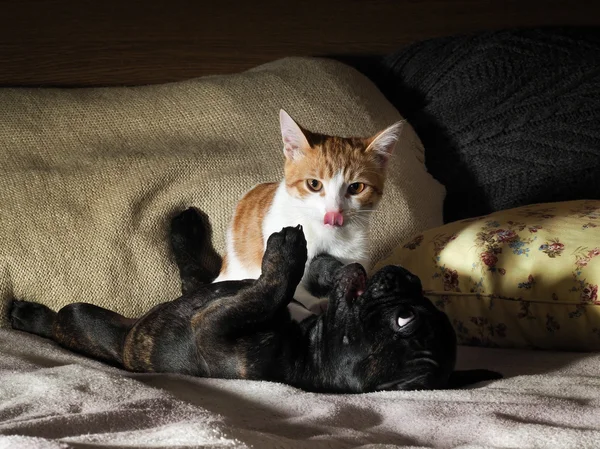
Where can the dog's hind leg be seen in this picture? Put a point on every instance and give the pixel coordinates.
(32, 317)
(84, 328)
(92, 331)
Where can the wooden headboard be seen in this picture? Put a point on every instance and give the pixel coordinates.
(116, 42)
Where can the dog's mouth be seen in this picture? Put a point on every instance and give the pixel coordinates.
(354, 278)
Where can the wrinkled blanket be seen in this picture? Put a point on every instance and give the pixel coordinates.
(51, 398)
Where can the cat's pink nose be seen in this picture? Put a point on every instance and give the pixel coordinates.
(333, 219)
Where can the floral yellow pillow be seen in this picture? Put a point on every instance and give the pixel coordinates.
(525, 277)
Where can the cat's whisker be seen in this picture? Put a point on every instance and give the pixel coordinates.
(370, 211)
(362, 212)
(359, 218)
(363, 208)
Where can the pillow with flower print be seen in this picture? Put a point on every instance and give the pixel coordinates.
(525, 277)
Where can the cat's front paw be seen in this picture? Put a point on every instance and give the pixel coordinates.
(286, 253)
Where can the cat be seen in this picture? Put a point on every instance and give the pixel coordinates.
(331, 187)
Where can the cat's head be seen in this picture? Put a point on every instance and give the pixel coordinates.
(340, 179)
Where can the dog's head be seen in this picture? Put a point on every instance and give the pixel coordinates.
(383, 334)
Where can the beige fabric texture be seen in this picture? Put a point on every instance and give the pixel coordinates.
(89, 178)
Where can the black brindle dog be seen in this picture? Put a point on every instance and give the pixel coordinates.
(381, 334)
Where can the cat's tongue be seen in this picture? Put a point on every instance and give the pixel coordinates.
(333, 219)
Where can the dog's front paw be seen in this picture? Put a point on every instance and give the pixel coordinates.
(286, 253)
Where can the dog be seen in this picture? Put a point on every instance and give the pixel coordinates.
(376, 334)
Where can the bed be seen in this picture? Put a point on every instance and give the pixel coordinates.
(52, 399)
(458, 93)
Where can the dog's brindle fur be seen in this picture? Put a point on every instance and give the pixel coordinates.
(243, 329)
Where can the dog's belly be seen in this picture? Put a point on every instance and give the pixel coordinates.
(181, 338)
(255, 357)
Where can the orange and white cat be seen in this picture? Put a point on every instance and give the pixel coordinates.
(331, 186)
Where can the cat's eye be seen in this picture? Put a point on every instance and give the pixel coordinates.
(356, 187)
(314, 185)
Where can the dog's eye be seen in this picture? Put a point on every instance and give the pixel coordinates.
(405, 317)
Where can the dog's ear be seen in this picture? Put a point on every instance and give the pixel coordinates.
(462, 378)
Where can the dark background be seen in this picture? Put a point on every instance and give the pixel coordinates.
(110, 42)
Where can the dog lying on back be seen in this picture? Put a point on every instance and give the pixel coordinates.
(377, 334)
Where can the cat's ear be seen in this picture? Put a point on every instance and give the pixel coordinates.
(294, 140)
(384, 142)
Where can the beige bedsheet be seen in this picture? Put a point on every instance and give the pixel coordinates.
(51, 398)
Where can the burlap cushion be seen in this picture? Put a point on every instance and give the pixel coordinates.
(90, 177)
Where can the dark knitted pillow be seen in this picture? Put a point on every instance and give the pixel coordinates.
(507, 118)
